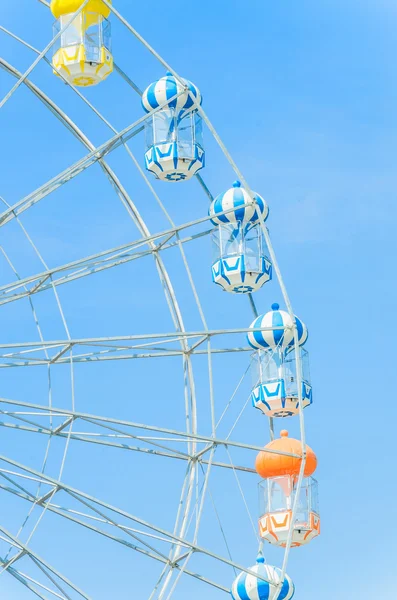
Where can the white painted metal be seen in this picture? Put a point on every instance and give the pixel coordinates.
(151, 345)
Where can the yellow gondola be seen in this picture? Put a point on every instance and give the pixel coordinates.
(83, 52)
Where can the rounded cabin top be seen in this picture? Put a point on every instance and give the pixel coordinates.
(158, 92)
(237, 198)
(282, 338)
(65, 7)
(276, 465)
(249, 587)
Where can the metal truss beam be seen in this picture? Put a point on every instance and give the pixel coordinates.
(110, 348)
(106, 421)
(29, 583)
(87, 438)
(20, 361)
(92, 503)
(70, 515)
(78, 167)
(95, 263)
(44, 566)
(190, 400)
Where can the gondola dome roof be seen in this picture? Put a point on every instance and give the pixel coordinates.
(158, 92)
(245, 210)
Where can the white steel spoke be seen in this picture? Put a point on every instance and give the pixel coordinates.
(36, 320)
(183, 434)
(92, 503)
(169, 292)
(93, 264)
(28, 581)
(23, 354)
(47, 569)
(72, 171)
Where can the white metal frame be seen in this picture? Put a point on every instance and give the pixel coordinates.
(200, 450)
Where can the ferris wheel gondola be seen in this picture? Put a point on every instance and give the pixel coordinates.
(275, 364)
(83, 54)
(278, 489)
(174, 140)
(241, 264)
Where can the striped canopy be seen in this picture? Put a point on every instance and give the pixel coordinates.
(249, 587)
(167, 87)
(279, 337)
(244, 210)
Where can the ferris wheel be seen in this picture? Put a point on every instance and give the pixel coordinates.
(121, 473)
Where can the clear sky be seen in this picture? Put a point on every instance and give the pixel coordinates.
(304, 96)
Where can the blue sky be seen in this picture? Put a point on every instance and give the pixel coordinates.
(304, 96)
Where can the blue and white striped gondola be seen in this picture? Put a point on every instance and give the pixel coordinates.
(244, 209)
(159, 92)
(175, 150)
(249, 587)
(283, 338)
(241, 264)
(276, 390)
